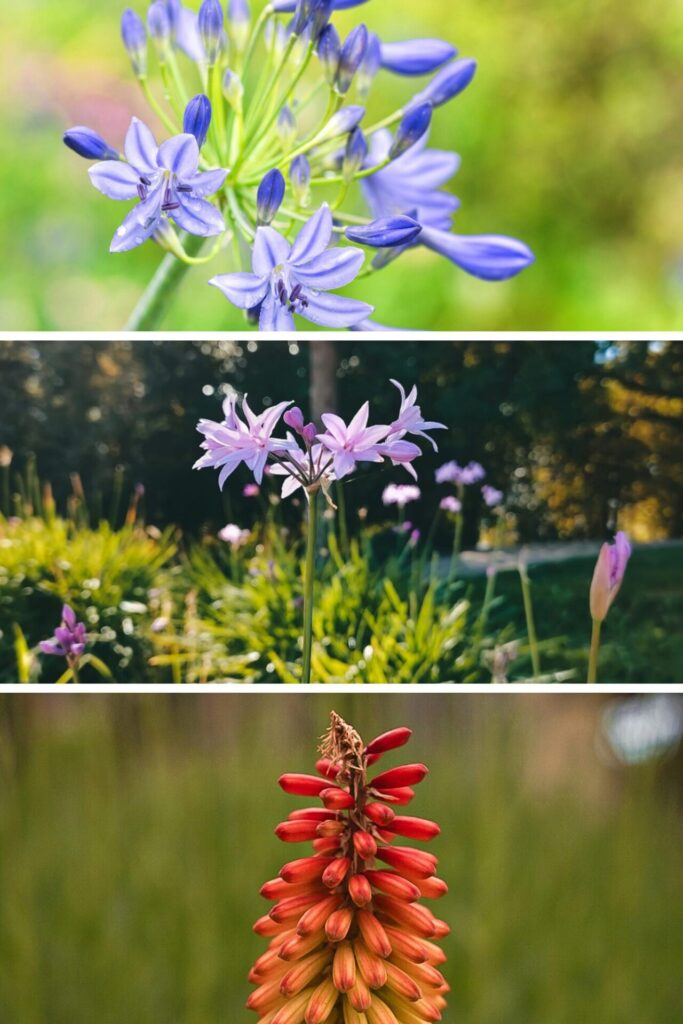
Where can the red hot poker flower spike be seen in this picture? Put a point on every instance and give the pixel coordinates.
(350, 940)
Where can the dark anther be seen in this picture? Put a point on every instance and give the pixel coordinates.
(170, 206)
(295, 293)
(183, 188)
(142, 191)
(145, 180)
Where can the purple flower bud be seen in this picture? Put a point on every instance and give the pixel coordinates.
(288, 6)
(344, 121)
(369, 66)
(233, 90)
(197, 118)
(350, 57)
(309, 433)
(320, 17)
(159, 25)
(294, 418)
(385, 232)
(355, 154)
(608, 575)
(450, 504)
(286, 127)
(491, 495)
(416, 56)
(210, 23)
(251, 490)
(269, 196)
(302, 16)
(89, 144)
(134, 37)
(490, 257)
(328, 52)
(414, 124)
(447, 83)
(239, 16)
(300, 178)
(414, 538)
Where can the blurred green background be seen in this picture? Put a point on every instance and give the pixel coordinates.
(136, 831)
(570, 139)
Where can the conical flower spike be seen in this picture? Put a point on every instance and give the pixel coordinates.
(350, 940)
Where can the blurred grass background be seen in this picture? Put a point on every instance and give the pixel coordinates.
(136, 831)
(570, 139)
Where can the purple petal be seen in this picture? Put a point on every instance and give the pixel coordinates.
(334, 310)
(416, 56)
(490, 257)
(275, 317)
(207, 182)
(244, 290)
(334, 268)
(47, 647)
(140, 147)
(132, 232)
(187, 36)
(270, 249)
(313, 238)
(197, 216)
(180, 155)
(69, 616)
(115, 179)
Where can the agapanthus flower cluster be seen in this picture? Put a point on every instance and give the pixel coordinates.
(453, 473)
(350, 939)
(268, 146)
(306, 456)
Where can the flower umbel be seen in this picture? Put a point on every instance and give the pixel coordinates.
(69, 640)
(350, 939)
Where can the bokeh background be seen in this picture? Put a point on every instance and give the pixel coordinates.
(136, 832)
(570, 139)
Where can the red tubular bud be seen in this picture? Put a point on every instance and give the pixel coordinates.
(413, 916)
(262, 998)
(336, 799)
(379, 813)
(389, 741)
(379, 1012)
(276, 889)
(413, 949)
(304, 870)
(402, 984)
(441, 929)
(374, 935)
(393, 885)
(266, 926)
(344, 967)
(321, 1003)
(424, 974)
(435, 954)
(432, 888)
(311, 814)
(404, 858)
(302, 785)
(296, 831)
(427, 1009)
(328, 844)
(352, 1016)
(414, 828)
(371, 966)
(265, 962)
(338, 924)
(303, 973)
(360, 996)
(293, 907)
(298, 946)
(315, 917)
(359, 890)
(325, 767)
(371, 759)
(293, 1010)
(404, 775)
(400, 796)
(364, 844)
(336, 871)
(331, 828)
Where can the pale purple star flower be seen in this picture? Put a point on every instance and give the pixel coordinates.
(297, 278)
(167, 182)
(234, 535)
(410, 419)
(400, 494)
(453, 473)
(232, 442)
(492, 496)
(450, 504)
(69, 638)
(354, 443)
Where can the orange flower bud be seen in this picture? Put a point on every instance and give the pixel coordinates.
(298, 946)
(336, 799)
(304, 870)
(293, 907)
(372, 967)
(336, 871)
(414, 828)
(344, 967)
(293, 1010)
(331, 828)
(315, 917)
(327, 844)
(365, 845)
(393, 885)
(400, 796)
(432, 888)
(373, 933)
(266, 926)
(322, 1002)
(303, 973)
(409, 946)
(413, 916)
(360, 996)
(404, 858)
(359, 890)
(401, 983)
(379, 1012)
(352, 1016)
(338, 924)
(379, 813)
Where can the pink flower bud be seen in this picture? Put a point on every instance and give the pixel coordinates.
(294, 418)
(607, 575)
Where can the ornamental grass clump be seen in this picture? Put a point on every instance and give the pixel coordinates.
(351, 941)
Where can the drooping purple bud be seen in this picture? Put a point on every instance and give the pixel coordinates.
(197, 118)
(269, 196)
(446, 83)
(354, 154)
(286, 127)
(134, 37)
(210, 23)
(369, 66)
(414, 124)
(386, 232)
(416, 56)
(350, 57)
(159, 25)
(89, 144)
(342, 122)
(302, 16)
(328, 52)
(309, 433)
(294, 418)
(300, 179)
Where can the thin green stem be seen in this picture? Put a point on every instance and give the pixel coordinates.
(457, 546)
(530, 624)
(309, 579)
(341, 516)
(157, 296)
(156, 107)
(594, 652)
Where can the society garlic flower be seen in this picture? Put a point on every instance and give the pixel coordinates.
(350, 941)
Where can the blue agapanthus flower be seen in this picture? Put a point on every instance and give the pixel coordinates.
(277, 164)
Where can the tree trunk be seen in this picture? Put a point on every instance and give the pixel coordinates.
(323, 377)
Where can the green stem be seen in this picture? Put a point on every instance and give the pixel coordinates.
(594, 652)
(457, 546)
(486, 606)
(341, 515)
(530, 624)
(74, 673)
(158, 294)
(309, 579)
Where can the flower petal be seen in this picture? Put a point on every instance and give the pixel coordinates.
(270, 249)
(334, 310)
(140, 147)
(132, 232)
(244, 290)
(490, 257)
(115, 179)
(180, 155)
(207, 182)
(313, 238)
(197, 216)
(334, 268)
(187, 36)
(275, 317)
(416, 56)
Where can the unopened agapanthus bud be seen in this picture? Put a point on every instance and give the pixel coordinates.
(239, 17)
(134, 37)
(354, 155)
(286, 127)
(320, 16)
(328, 50)
(159, 26)
(369, 66)
(210, 24)
(447, 83)
(89, 144)
(350, 57)
(294, 418)
(233, 89)
(416, 56)
(309, 433)
(345, 120)
(269, 196)
(197, 118)
(300, 180)
(385, 232)
(414, 124)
